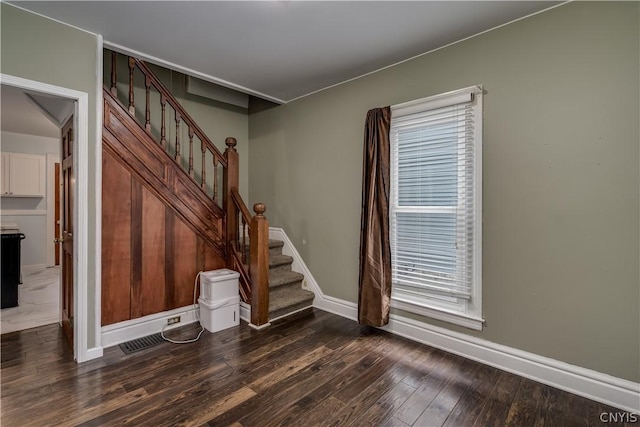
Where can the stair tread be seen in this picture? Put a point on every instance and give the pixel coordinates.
(280, 278)
(276, 260)
(279, 300)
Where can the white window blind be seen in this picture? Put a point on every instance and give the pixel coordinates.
(434, 197)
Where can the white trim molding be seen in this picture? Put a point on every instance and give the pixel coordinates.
(137, 328)
(98, 196)
(584, 382)
(81, 197)
(245, 312)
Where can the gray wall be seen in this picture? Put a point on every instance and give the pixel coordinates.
(40, 49)
(34, 226)
(561, 183)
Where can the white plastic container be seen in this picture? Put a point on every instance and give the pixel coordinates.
(219, 315)
(216, 285)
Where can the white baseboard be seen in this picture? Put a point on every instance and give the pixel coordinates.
(147, 325)
(245, 312)
(584, 382)
(93, 353)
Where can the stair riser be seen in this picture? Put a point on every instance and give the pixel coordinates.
(272, 252)
(297, 284)
(279, 268)
(277, 313)
(275, 251)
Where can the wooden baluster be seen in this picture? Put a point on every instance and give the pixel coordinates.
(238, 217)
(147, 111)
(244, 241)
(230, 180)
(259, 266)
(203, 179)
(177, 157)
(132, 65)
(114, 89)
(163, 128)
(215, 179)
(191, 174)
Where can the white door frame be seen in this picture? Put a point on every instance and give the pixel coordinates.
(80, 208)
(52, 159)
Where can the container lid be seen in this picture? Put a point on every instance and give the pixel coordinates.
(220, 275)
(212, 305)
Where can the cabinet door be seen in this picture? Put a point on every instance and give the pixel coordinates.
(26, 175)
(4, 174)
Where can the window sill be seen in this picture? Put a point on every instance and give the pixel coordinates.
(438, 314)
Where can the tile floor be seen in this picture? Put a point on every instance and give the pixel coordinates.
(38, 299)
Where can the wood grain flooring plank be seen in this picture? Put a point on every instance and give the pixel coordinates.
(431, 385)
(525, 404)
(470, 404)
(441, 406)
(314, 369)
(496, 408)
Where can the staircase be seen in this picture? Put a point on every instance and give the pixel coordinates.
(172, 208)
(286, 295)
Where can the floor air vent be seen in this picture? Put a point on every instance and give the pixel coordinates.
(141, 343)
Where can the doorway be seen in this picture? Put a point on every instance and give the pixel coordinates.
(76, 273)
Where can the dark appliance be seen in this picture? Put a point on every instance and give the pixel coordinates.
(10, 266)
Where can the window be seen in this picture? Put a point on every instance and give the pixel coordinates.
(435, 213)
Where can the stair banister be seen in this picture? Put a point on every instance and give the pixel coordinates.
(254, 273)
(230, 180)
(259, 269)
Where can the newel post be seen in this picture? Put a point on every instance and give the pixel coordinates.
(259, 269)
(229, 181)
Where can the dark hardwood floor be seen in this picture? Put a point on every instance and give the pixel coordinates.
(316, 369)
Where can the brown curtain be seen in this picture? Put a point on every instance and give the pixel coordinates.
(374, 292)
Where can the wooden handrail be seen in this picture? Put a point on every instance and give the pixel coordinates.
(171, 100)
(237, 200)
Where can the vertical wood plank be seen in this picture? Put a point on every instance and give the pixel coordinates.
(152, 285)
(169, 260)
(185, 266)
(199, 254)
(212, 261)
(136, 246)
(116, 241)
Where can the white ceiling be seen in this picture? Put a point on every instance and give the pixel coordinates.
(20, 115)
(282, 50)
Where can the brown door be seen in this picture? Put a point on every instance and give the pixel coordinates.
(67, 231)
(56, 224)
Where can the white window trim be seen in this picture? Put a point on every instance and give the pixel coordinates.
(471, 317)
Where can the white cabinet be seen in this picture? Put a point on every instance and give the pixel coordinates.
(23, 175)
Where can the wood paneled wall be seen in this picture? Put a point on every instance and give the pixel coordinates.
(157, 232)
